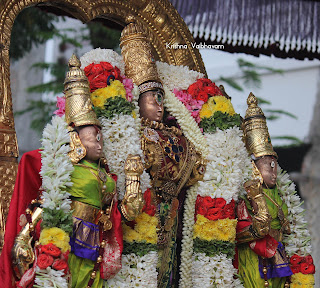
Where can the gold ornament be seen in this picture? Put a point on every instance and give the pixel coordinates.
(78, 109)
(140, 64)
(77, 150)
(256, 134)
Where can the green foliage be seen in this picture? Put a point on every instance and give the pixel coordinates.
(31, 27)
(214, 247)
(56, 218)
(294, 140)
(139, 248)
(220, 120)
(58, 71)
(114, 106)
(41, 113)
(102, 36)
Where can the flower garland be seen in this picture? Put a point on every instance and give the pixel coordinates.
(177, 77)
(187, 123)
(187, 233)
(51, 265)
(140, 250)
(213, 223)
(136, 271)
(298, 243)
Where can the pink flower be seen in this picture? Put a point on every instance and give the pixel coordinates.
(128, 85)
(61, 103)
(193, 105)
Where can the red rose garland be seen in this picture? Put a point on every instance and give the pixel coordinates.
(51, 256)
(302, 264)
(98, 74)
(215, 208)
(203, 89)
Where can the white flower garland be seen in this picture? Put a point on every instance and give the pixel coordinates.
(56, 166)
(136, 271)
(102, 55)
(214, 271)
(56, 173)
(179, 77)
(187, 234)
(50, 278)
(228, 165)
(121, 138)
(299, 241)
(187, 123)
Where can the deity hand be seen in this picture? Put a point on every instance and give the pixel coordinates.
(261, 218)
(133, 201)
(22, 251)
(22, 254)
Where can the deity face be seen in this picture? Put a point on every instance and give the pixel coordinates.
(91, 139)
(267, 166)
(151, 105)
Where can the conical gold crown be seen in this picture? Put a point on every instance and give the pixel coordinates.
(256, 134)
(140, 65)
(78, 108)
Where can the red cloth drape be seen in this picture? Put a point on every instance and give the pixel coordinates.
(26, 189)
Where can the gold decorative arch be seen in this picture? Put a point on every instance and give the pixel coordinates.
(162, 23)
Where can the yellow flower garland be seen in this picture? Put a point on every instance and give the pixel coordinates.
(300, 280)
(216, 103)
(222, 229)
(55, 236)
(100, 95)
(144, 230)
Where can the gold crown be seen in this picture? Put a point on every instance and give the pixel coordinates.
(256, 134)
(140, 64)
(78, 108)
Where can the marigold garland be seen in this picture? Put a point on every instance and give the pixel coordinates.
(144, 229)
(214, 104)
(222, 229)
(300, 280)
(57, 237)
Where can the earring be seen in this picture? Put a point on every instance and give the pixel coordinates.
(78, 151)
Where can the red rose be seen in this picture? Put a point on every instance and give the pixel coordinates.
(217, 91)
(229, 210)
(148, 207)
(60, 264)
(307, 268)
(205, 81)
(106, 66)
(208, 202)
(220, 202)
(51, 250)
(87, 70)
(97, 69)
(44, 261)
(202, 96)
(193, 89)
(308, 259)
(201, 210)
(295, 259)
(214, 214)
(295, 269)
(210, 90)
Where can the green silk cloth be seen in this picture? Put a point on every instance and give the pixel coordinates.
(248, 260)
(86, 189)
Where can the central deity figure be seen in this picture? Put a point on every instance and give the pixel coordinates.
(170, 158)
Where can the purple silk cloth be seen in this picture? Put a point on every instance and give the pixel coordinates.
(277, 266)
(85, 239)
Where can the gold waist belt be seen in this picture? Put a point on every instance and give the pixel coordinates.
(84, 211)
